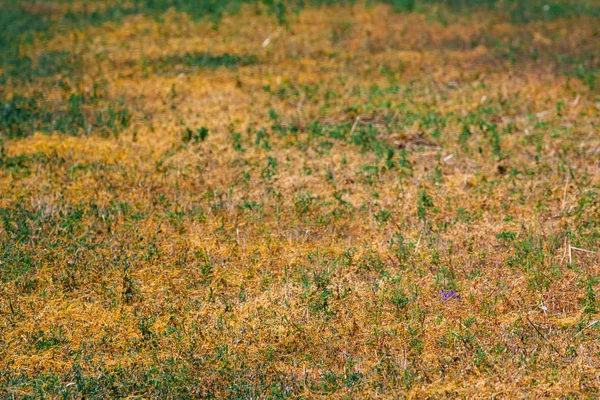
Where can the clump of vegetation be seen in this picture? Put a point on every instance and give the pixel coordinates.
(269, 199)
(196, 61)
(82, 114)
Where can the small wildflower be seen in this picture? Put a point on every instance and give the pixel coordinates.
(447, 295)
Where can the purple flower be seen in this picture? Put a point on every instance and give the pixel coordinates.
(447, 295)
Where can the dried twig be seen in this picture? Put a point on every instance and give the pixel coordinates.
(565, 193)
(354, 125)
(578, 249)
(587, 327)
(542, 335)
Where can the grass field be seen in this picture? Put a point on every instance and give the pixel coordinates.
(207, 199)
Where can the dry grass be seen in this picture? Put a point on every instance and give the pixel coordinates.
(278, 218)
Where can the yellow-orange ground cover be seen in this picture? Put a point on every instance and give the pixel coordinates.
(357, 164)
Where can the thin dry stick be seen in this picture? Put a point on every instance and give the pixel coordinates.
(564, 251)
(532, 324)
(420, 236)
(466, 176)
(565, 193)
(587, 327)
(578, 249)
(542, 335)
(570, 256)
(354, 125)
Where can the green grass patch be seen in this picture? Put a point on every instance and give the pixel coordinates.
(82, 114)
